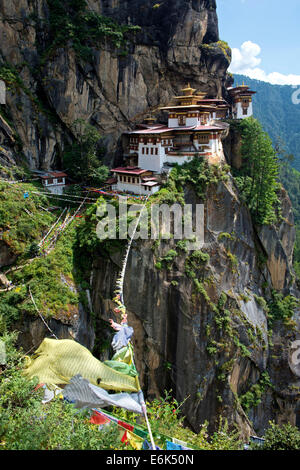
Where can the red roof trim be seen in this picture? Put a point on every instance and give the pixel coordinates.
(54, 174)
(129, 170)
(111, 181)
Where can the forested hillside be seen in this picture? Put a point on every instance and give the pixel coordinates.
(275, 106)
(290, 179)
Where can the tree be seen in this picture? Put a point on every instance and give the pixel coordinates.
(258, 177)
(33, 250)
(82, 158)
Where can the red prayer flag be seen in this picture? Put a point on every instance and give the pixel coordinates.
(98, 418)
(38, 386)
(124, 438)
(126, 426)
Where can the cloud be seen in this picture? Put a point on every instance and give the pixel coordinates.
(245, 61)
(245, 57)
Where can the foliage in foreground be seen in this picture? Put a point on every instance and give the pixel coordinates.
(27, 424)
(284, 437)
(167, 421)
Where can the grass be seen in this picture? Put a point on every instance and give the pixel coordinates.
(18, 227)
(51, 279)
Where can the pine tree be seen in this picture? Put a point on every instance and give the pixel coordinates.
(258, 178)
(81, 159)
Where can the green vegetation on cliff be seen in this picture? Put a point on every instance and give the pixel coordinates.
(72, 23)
(22, 220)
(52, 279)
(197, 174)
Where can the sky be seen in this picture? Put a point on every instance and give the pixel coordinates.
(264, 36)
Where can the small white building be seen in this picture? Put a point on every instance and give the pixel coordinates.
(242, 106)
(134, 180)
(54, 181)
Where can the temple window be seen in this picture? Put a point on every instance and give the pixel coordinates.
(181, 120)
(203, 138)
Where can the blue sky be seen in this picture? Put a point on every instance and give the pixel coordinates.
(264, 36)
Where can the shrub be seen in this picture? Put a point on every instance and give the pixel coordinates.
(282, 437)
(166, 417)
(282, 308)
(253, 396)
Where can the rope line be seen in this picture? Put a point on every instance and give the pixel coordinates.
(122, 309)
(60, 197)
(40, 315)
(120, 281)
(55, 223)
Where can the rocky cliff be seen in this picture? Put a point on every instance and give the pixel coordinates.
(50, 85)
(201, 322)
(202, 327)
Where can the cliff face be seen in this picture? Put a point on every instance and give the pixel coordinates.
(109, 90)
(211, 344)
(209, 340)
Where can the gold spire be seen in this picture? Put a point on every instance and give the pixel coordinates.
(150, 118)
(188, 91)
